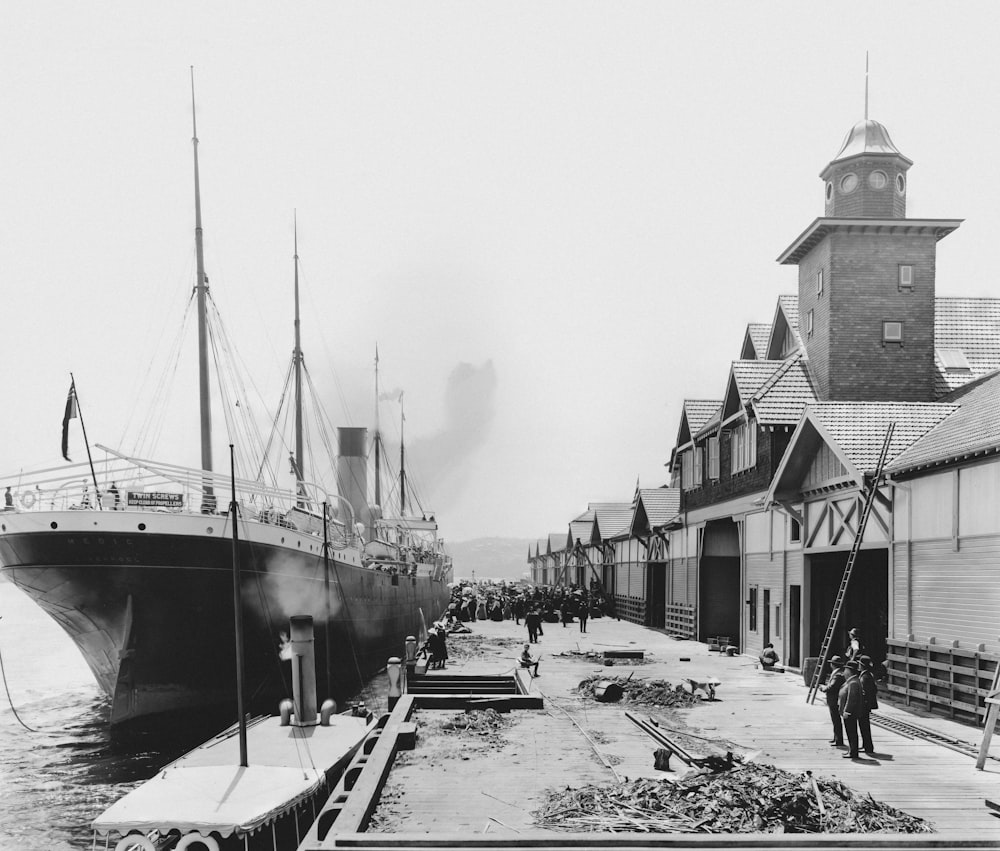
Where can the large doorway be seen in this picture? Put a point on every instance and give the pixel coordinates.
(866, 604)
(794, 625)
(656, 594)
(719, 582)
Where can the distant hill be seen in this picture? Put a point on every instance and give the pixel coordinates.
(490, 558)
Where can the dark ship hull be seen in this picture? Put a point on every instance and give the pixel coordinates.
(148, 598)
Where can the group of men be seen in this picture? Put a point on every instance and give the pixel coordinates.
(851, 695)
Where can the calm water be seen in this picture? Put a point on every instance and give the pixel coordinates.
(55, 781)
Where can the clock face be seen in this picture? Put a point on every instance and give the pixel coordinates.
(848, 183)
(877, 180)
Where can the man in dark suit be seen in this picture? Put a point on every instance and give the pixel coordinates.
(833, 686)
(851, 704)
(869, 693)
(533, 620)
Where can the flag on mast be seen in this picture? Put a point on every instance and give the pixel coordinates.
(70, 413)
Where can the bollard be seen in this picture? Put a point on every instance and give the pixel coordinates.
(411, 653)
(394, 669)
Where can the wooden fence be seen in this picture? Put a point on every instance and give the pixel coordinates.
(941, 678)
(680, 619)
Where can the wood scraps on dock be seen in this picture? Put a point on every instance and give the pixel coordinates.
(750, 798)
(640, 691)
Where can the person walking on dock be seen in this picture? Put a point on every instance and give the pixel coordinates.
(851, 702)
(869, 694)
(533, 620)
(833, 686)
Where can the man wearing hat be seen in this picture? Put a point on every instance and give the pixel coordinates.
(833, 686)
(854, 646)
(869, 699)
(851, 704)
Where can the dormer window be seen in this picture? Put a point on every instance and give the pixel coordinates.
(905, 277)
(819, 282)
(954, 360)
(892, 332)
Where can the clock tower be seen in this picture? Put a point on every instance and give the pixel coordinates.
(866, 278)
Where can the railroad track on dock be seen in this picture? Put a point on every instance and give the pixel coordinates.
(913, 731)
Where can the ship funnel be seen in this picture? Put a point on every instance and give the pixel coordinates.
(352, 473)
(303, 670)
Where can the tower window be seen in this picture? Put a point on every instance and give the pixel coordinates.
(877, 180)
(819, 282)
(905, 277)
(848, 183)
(829, 192)
(900, 184)
(892, 332)
(809, 324)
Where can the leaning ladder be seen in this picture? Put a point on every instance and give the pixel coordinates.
(870, 496)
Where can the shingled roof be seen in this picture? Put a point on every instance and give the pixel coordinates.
(660, 504)
(971, 430)
(786, 316)
(973, 326)
(558, 541)
(694, 416)
(613, 518)
(855, 432)
(783, 397)
(746, 377)
(755, 341)
(858, 428)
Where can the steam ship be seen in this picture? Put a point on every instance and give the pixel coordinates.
(134, 558)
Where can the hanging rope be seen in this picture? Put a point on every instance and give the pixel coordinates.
(10, 702)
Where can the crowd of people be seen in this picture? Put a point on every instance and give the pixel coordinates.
(499, 601)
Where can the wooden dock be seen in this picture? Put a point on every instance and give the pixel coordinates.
(449, 789)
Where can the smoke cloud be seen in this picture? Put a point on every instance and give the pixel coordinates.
(441, 458)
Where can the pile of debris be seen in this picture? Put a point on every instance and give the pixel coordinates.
(642, 692)
(752, 798)
(477, 722)
(465, 646)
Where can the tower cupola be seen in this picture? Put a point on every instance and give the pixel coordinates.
(867, 177)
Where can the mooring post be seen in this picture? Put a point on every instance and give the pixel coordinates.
(411, 654)
(394, 669)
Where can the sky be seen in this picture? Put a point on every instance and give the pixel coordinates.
(554, 219)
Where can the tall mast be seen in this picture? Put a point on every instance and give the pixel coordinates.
(378, 440)
(300, 470)
(402, 459)
(202, 290)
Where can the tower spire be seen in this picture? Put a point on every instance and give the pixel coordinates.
(866, 85)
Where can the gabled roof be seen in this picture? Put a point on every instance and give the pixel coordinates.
(783, 397)
(786, 318)
(583, 531)
(755, 341)
(612, 518)
(558, 542)
(746, 377)
(694, 415)
(654, 508)
(971, 430)
(973, 326)
(855, 432)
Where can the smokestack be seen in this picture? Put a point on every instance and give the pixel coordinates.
(352, 473)
(303, 670)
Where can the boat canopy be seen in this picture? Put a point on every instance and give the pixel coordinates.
(208, 791)
(222, 799)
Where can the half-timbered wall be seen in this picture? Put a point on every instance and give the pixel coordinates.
(832, 523)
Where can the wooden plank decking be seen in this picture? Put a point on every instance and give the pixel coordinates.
(453, 787)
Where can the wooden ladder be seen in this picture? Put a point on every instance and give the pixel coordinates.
(838, 604)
